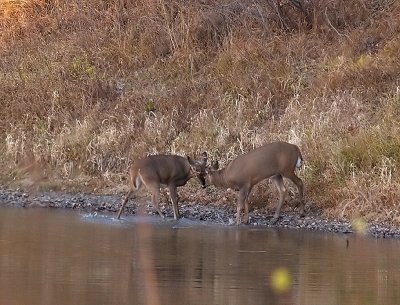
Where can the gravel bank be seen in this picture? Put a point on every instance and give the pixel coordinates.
(221, 214)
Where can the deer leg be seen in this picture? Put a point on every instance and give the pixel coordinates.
(138, 184)
(174, 199)
(238, 209)
(124, 203)
(243, 192)
(300, 188)
(155, 191)
(246, 207)
(278, 181)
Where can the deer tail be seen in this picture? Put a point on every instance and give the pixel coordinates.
(133, 175)
(300, 160)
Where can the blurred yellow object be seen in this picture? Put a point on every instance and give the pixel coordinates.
(281, 280)
(359, 225)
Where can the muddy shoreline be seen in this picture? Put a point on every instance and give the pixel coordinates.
(214, 213)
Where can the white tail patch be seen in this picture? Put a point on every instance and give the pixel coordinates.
(299, 162)
(138, 181)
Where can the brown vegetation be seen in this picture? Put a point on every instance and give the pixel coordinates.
(86, 86)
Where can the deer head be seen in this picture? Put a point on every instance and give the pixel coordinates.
(198, 168)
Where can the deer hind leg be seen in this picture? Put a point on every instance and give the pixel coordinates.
(278, 181)
(174, 199)
(138, 184)
(300, 188)
(124, 202)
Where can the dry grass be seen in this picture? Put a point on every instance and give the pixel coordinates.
(86, 86)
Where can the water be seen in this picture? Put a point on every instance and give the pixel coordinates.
(62, 257)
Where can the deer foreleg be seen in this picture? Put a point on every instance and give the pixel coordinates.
(174, 199)
(242, 195)
(246, 206)
(156, 200)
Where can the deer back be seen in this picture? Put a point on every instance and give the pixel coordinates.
(261, 163)
(164, 169)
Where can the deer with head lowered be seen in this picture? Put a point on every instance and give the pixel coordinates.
(170, 170)
(273, 160)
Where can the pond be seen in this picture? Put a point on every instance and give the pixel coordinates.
(60, 257)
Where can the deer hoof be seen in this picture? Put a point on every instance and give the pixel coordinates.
(275, 220)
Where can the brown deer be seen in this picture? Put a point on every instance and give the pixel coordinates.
(274, 160)
(170, 170)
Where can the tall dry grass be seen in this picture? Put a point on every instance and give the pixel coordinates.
(87, 86)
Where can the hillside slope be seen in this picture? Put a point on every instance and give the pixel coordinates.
(87, 86)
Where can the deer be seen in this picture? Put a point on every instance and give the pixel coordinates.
(170, 170)
(273, 160)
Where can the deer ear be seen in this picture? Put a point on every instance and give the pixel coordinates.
(215, 165)
(191, 162)
(204, 158)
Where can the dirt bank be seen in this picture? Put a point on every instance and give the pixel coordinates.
(212, 212)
